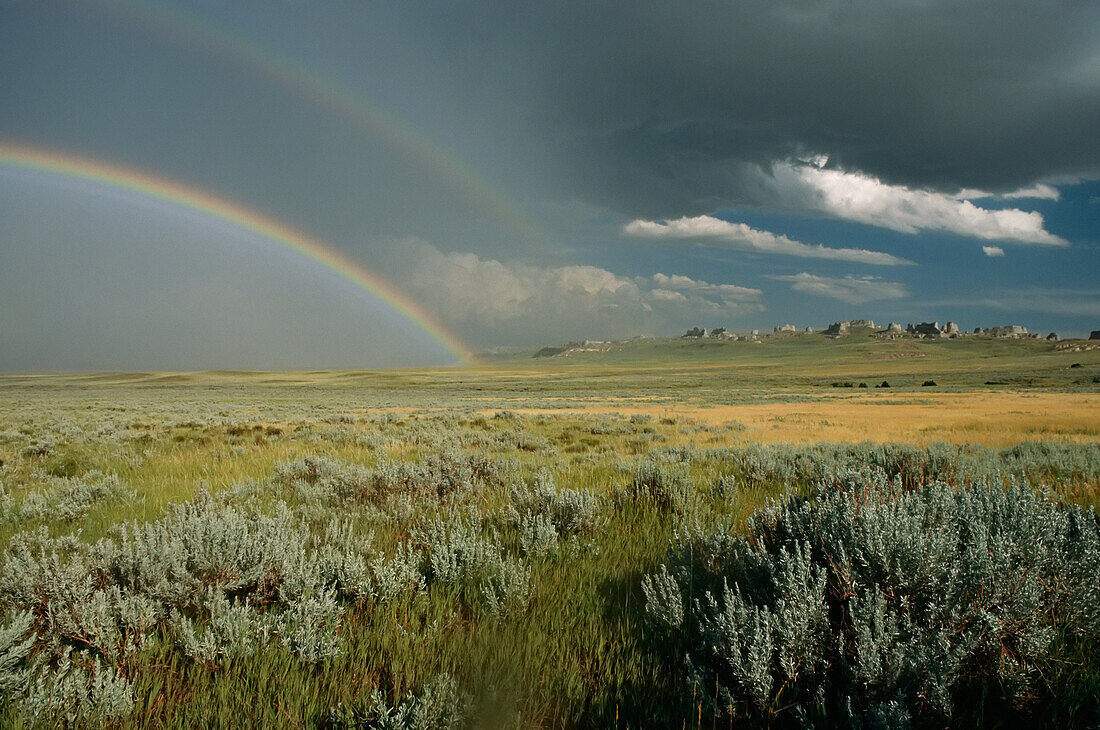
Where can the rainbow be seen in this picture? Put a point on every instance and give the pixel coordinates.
(161, 189)
(199, 33)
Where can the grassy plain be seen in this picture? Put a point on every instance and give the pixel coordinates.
(577, 652)
(799, 389)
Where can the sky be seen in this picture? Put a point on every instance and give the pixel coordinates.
(478, 175)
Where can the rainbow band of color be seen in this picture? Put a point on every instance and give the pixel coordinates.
(195, 32)
(124, 178)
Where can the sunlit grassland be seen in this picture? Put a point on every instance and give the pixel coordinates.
(740, 425)
(575, 652)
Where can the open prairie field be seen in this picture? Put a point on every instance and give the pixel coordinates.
(657, 536)
(291, 434)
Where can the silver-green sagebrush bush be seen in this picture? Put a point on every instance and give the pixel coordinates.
(309, 627)
(396, 575)
(454, 550)
(506, 589)
(867, 599)
(449, 476)
(60, 690)
(66, 498)
(441, 706)
(570, 511)
(662, 483)
(38, 449)
(16, 643)
(199, 544)
(785, 464)
(220, 581)
(318, 478)
(76, 694)
(544, 514)
(458, 553)
(538, 536)
(228, 630)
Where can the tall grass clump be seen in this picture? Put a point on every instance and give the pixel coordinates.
(867, 602)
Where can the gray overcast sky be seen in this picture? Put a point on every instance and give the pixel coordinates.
(533, 174)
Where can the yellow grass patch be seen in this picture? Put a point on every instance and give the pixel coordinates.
(993, 419)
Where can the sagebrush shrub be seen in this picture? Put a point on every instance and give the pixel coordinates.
(199, 544)
(507, 588)
(805, 465)
(309, 627)
(867, 597)
(67, 498)
(396, 575)
(441, 706)
(664, 484)
(229, 630)
(449, 475)
(538, 536)
(318, 478)
(569, 511)
(456, 552)
(38, 449)
(76, 694)
(221, 581)
(16, 643)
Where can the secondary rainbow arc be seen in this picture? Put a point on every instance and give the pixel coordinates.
(308, 247)
(198, 32)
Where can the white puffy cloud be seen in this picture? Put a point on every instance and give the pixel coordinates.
(1039, 191)
(1036, 192)
(858, 197)
(741, 236)
(728, 294)
(494, 303)
(993, 251)
(850, 289)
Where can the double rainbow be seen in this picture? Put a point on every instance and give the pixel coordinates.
(306, 247)
(200, 34)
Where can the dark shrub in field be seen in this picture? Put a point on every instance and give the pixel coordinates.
(867, 604)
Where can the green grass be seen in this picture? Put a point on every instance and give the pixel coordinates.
(668, 369)
(580, 654)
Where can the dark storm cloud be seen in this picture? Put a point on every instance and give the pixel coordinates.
(539, 172)
(669, 108)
